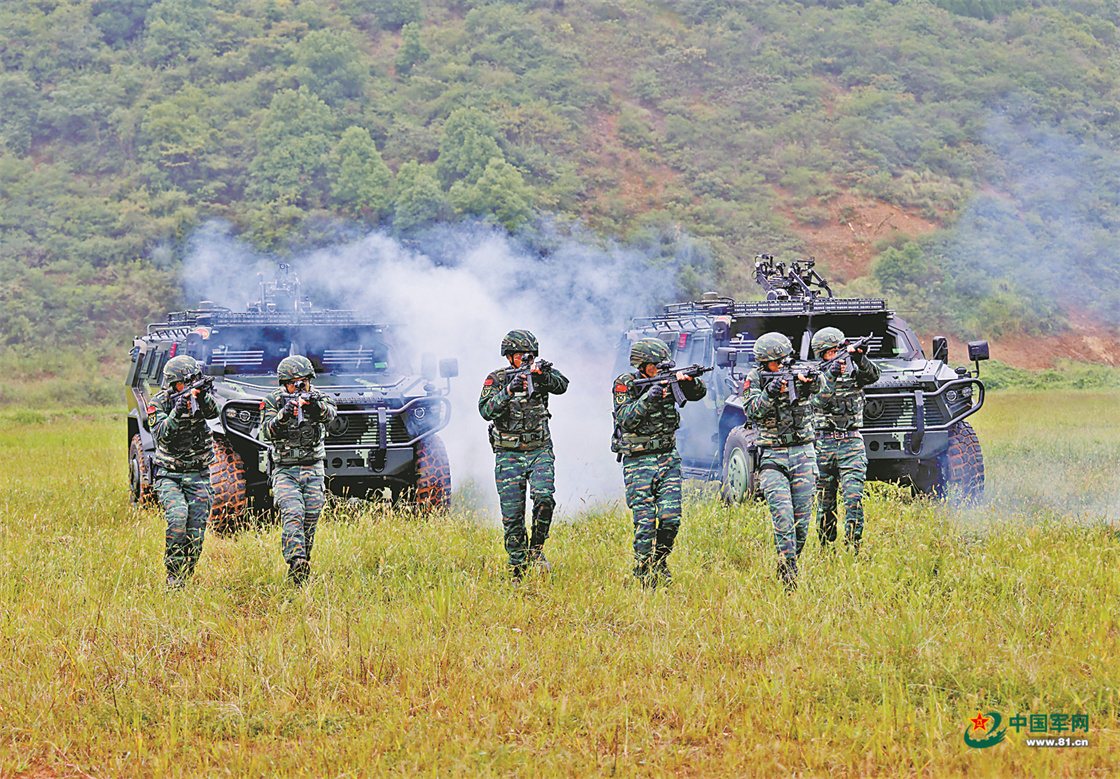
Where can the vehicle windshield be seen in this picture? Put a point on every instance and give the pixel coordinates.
(332, 350)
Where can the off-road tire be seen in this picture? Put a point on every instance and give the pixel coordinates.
(962, 465)
(739, 481)
(227, 477)
(141, 491)
(433, 475)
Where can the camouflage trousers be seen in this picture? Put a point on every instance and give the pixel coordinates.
(186, 499)
(513, 472)
(653, 493)
(298, 490)
(843, 467)
(788, 477)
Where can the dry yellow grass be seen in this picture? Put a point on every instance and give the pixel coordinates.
(409, 654)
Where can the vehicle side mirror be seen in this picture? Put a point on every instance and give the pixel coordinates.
(727, 357)
(721, 330)
(449, 368)
(428, 367)
(977, 350)
(940, 348)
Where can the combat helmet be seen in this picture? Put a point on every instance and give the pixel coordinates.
(772, 346)
(519, 342)
(648, 350)
(827, 338)
(182, 368)
(294, 368)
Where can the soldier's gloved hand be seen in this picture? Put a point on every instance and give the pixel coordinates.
(836, 370)
(183, 406)
(774, 388)
(656, 392)
(314, 410)
(519, 384)
(287, 411)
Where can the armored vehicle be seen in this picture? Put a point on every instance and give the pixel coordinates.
(914, 421)
(384, 441)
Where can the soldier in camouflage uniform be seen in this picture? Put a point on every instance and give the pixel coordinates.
(841, 457)
(181, 467)
(298, 452)
(646, 422)
(522, 446)
(788, 467)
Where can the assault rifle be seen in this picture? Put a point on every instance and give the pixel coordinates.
(667, 374)
(843, 356)
(526, 370)
(202, 383)
(788, 372)
(294, 398)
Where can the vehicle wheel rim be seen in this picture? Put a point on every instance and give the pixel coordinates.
(134, 477)
(737, 473)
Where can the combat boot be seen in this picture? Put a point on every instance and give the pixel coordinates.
(826, 531)
(787, 573)
(666, 539)
(174, 583)
(299, 571)
(643, 571)
(538, 560)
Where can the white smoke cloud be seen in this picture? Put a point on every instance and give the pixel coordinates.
(457, 291)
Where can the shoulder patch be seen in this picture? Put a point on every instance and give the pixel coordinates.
(620, 387)
(489, 381)
(746, 384)
(262, 406)
(152, 409)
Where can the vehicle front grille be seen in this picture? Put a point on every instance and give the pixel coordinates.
(360, 430)
(899, 412)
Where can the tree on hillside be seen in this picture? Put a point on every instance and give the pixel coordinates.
(500, 193)
(412, 50)
(176, 30)
(390, 14)
(361, 181)
(469, 143)
(119, 20)
(331, 66)
(419, 199)
(292, 149)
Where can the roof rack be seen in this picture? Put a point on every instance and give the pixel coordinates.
(790, 306)
(187, 320)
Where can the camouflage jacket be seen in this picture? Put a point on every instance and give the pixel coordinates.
(839, 404)
(778, 422)
(183, 444)
(643, 425)
(519, 421)
(295, 443)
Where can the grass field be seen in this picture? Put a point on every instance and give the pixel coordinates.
(409, 654)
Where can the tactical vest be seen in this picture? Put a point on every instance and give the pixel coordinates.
(294, 443)
(786, 424)
(189, 448)
(839, 404)
(523, 424)
(656, 432)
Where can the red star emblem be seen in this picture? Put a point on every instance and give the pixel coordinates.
(979, 722)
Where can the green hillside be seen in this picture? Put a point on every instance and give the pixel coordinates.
(738, 123)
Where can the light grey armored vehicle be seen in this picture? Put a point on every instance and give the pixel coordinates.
(915, 427)
(384, 442)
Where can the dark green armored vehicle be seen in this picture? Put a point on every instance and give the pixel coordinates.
(915, 427)
(384, 442)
